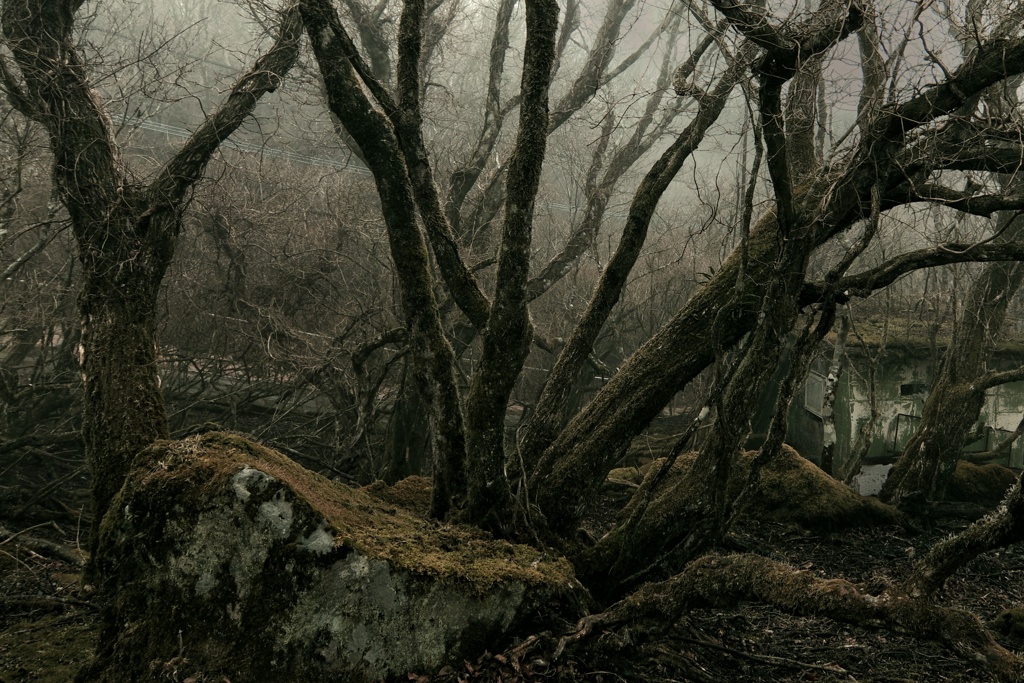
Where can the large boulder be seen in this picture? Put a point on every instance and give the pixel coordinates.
(225, 560)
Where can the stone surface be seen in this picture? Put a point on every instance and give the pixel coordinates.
(225, 560)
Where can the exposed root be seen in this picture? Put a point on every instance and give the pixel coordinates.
(1002, 527)
(727, 579)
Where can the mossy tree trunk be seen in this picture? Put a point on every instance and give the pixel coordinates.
(581, 455)
(126, 231)
(682, 523)
(349, 84)
(957, 395)
(509, 331)
(552, 410)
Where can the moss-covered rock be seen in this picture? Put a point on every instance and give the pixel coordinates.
(792, 490)
(412, 493)
(223, 559)
(983, 485)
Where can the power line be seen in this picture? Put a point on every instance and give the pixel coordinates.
(304, 159)
(264, 150)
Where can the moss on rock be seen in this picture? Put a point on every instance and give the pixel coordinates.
(222, 558)
(791, 490)
(983, 485)
(412, 493)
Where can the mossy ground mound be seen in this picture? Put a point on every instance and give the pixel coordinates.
(791, 490)
(224, 559)
(983, 485)
(411, 493)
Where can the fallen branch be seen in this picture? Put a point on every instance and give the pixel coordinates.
(724, 580)
(41, 546)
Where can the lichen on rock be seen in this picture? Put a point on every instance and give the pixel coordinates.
(223, 558)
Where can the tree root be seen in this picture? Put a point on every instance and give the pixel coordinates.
(41, 546)
(723, 580)
(1002, 527)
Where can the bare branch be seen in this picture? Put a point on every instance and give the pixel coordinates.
(186, 167)
(863, 284)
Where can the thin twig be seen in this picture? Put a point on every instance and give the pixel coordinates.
(767, 659)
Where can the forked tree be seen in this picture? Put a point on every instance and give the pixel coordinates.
(904, 149)
(126, 229)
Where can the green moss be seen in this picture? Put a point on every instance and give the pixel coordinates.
(205, 464)
(412, 494)
(980, 484)
(793, 490)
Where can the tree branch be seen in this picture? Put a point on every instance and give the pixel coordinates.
(994, 379)
(186, 167)
(863, 284)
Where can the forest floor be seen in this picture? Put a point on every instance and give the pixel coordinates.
(48, 627)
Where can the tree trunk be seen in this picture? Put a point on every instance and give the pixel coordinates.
(124, 408)
(955, 401)
(552, 406)
(125, 232)
(828, 418)
(506, 339)
(572, 468)
(434, 371)
(929, 459)
(682, 523)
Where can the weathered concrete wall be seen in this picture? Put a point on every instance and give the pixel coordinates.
(901, 384)
(225, 559)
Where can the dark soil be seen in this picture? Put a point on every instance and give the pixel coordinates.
(48, 627)
(47, 624)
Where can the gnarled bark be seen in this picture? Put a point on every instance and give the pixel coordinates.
(126, 232)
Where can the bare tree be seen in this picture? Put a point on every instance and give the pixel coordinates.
(125, 230)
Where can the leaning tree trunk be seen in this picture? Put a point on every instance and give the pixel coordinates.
(929, 459)
(575, 464)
